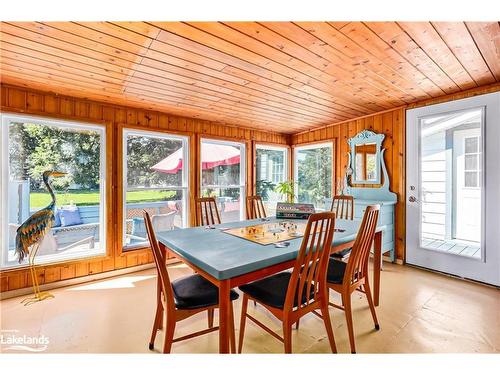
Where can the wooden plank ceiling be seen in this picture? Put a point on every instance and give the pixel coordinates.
(283, 76)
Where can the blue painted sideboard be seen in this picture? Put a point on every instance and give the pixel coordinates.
(365, 196)
(386, 217)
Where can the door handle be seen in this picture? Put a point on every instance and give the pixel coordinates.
(412, 199)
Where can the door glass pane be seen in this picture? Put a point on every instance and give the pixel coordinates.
(471, 145)
(78, 204)
(155, 179)
(271, 168)
(223, 177)
(471, 162)
(450, 185)
(313, 175)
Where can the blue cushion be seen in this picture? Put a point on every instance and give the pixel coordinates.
(70, 216)
(57, 219)
(138, 227)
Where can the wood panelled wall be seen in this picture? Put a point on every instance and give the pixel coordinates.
(21, 100)
(390, 123)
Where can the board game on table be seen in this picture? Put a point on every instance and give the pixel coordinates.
(269, 233)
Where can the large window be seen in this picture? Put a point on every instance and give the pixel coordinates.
(313, 174)
(32, 147)
(155, 179)
(271, 168)
(223, 177)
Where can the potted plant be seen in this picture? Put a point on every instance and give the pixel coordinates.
(287, 188)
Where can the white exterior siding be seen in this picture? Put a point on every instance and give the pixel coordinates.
(434, 187)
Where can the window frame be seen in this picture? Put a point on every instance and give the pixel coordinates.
(274, 147)
(243, 171)
(478, 169)
(186, 185)
(105, 170)
(310, 146)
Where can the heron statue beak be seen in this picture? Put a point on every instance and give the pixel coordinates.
(58, 174)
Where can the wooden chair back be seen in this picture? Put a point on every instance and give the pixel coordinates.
(357, 265)
(255, 208)
(159, 258)
(309, 273)
(207, 212)
(343, 206)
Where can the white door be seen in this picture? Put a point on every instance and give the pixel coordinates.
(453, 187)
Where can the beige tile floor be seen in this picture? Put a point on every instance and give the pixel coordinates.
(420, 312)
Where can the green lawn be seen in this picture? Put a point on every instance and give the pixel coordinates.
(91, 197)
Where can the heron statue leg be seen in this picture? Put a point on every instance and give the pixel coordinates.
(39, 296)
(34, 282)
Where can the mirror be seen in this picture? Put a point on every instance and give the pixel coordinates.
(365, 157)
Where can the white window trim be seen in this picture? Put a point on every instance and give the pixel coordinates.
(311, 146)
(241, 186)
(185, 175)
(6, 119)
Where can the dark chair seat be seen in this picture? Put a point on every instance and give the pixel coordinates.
(193, 292)
(341, 253)
(272, 290)
(336, 271)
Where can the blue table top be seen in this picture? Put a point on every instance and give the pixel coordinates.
(225, 256)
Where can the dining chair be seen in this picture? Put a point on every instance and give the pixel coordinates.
(343, 206)
(255, 208)
(182, 299)
(291, 295)
(207, 212)
(345, 278)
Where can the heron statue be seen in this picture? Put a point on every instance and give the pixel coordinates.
(31, 233)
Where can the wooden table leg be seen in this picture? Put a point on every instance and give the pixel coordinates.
(224, 301)
(377, 263)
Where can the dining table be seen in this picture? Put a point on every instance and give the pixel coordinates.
(229, 261)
